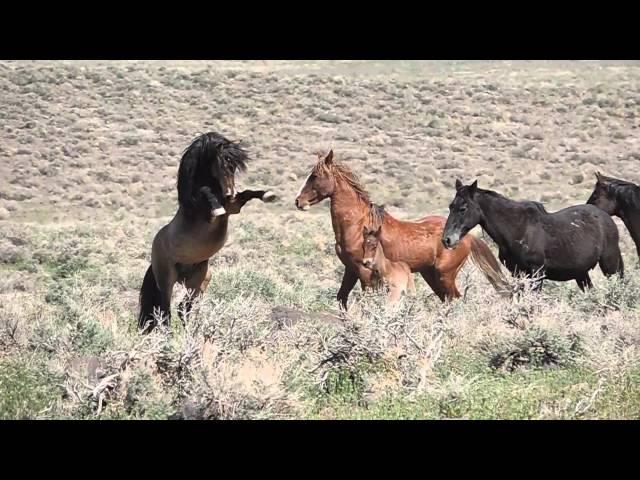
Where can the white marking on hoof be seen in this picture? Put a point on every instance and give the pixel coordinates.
(218, 212)
(269, 197)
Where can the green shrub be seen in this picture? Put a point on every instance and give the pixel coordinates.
(26, 391)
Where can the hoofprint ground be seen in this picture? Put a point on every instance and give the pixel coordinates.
(88, 162)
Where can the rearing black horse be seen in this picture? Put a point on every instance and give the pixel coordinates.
(563, 245)
(181, 249)
(619, 198)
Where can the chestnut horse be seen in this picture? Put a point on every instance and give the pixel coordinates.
(415, 243)
(182, 248)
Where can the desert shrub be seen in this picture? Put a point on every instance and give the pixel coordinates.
(27, 390)
(143, 399)
(533, 348)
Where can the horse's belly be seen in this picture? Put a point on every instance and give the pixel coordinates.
(572, 261)
(562, 275)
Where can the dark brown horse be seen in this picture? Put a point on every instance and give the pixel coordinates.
(562, 245)
(415, 243)
(619, 198)
(181, 249)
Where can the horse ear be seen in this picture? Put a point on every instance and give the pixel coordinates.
(329, 158)
(365, 230)
(458, 184)
(378, 231)
(598, 177)
(473, 187)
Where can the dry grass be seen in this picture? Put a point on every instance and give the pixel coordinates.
(88, 159)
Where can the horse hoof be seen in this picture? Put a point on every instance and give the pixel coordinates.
(218, 212)
(269, 197)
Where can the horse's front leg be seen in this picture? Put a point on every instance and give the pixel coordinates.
(212, 203)
(349, 280)
(236, 203)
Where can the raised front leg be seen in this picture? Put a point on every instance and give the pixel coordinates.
(211, 203)
(236, 203)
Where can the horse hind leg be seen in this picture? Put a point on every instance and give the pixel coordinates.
(166, 278)
(196, 284)
(442, 285)
(584, 282)
(449, 281)
(612, 263)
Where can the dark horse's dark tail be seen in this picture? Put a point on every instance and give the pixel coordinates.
(150, 301)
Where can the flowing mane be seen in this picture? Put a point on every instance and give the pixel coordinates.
(207, 150)
(376, 215)
(342, 172)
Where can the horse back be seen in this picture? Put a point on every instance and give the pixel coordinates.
(586, 220)
(419, 243)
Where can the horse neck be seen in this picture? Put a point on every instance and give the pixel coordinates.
(631, 219)
(502, 218)
(348, 209)
(629, 215)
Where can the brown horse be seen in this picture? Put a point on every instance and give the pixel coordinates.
(181, 249)
(396, 276)
(415, 243)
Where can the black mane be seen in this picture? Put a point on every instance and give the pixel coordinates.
(627, 193)
(525, 203)
(207, 150)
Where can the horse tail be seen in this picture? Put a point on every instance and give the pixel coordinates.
(150, 300)
(483, 258)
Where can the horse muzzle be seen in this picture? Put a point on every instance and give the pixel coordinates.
(450, 241)
(301, 206)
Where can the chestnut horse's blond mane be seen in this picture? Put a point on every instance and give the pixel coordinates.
(340, 171)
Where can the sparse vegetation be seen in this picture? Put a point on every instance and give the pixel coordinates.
(86, 189)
